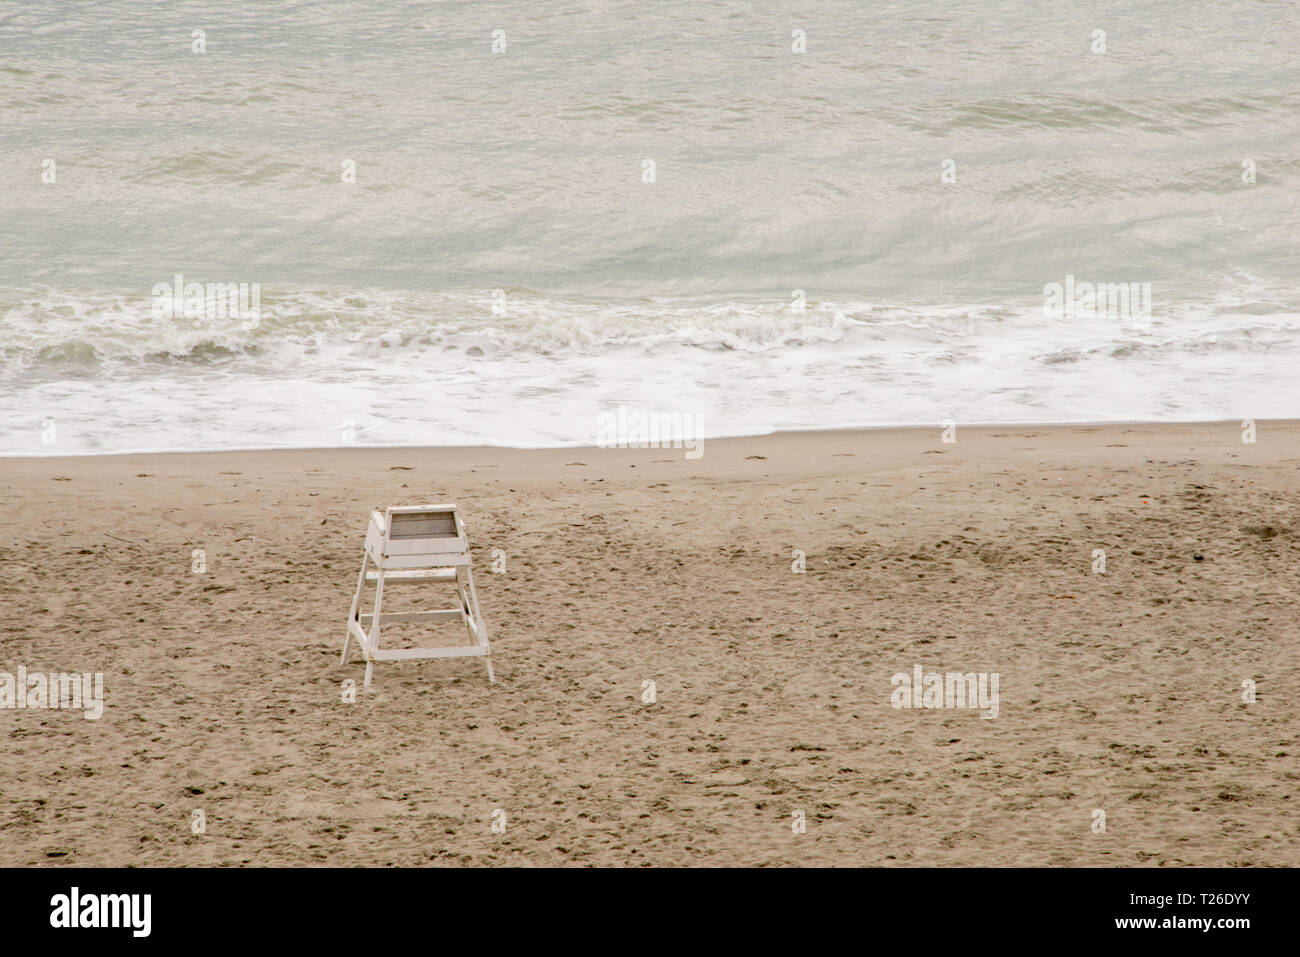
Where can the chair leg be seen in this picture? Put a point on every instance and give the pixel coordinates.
(356, 603)
(466, 610)
(480, 626)
(373, 644)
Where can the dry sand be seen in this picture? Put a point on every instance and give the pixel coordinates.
(1120, 692)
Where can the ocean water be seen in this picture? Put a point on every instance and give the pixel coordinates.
(503, 270)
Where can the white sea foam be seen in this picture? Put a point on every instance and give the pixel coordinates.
(388, 368)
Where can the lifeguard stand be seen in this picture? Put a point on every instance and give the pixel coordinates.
(417, 543)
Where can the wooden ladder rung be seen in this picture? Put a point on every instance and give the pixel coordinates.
(399, 654)
(448, 574)
(448, 614)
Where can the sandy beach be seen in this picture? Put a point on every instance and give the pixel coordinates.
(1120, 691)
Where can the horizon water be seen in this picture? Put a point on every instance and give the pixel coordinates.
(855, 235)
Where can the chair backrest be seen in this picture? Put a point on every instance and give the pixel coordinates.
(415, 530)
(430, 524)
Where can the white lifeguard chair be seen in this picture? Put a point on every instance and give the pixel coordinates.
(417, 543)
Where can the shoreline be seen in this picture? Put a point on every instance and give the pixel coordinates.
(778, 433)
